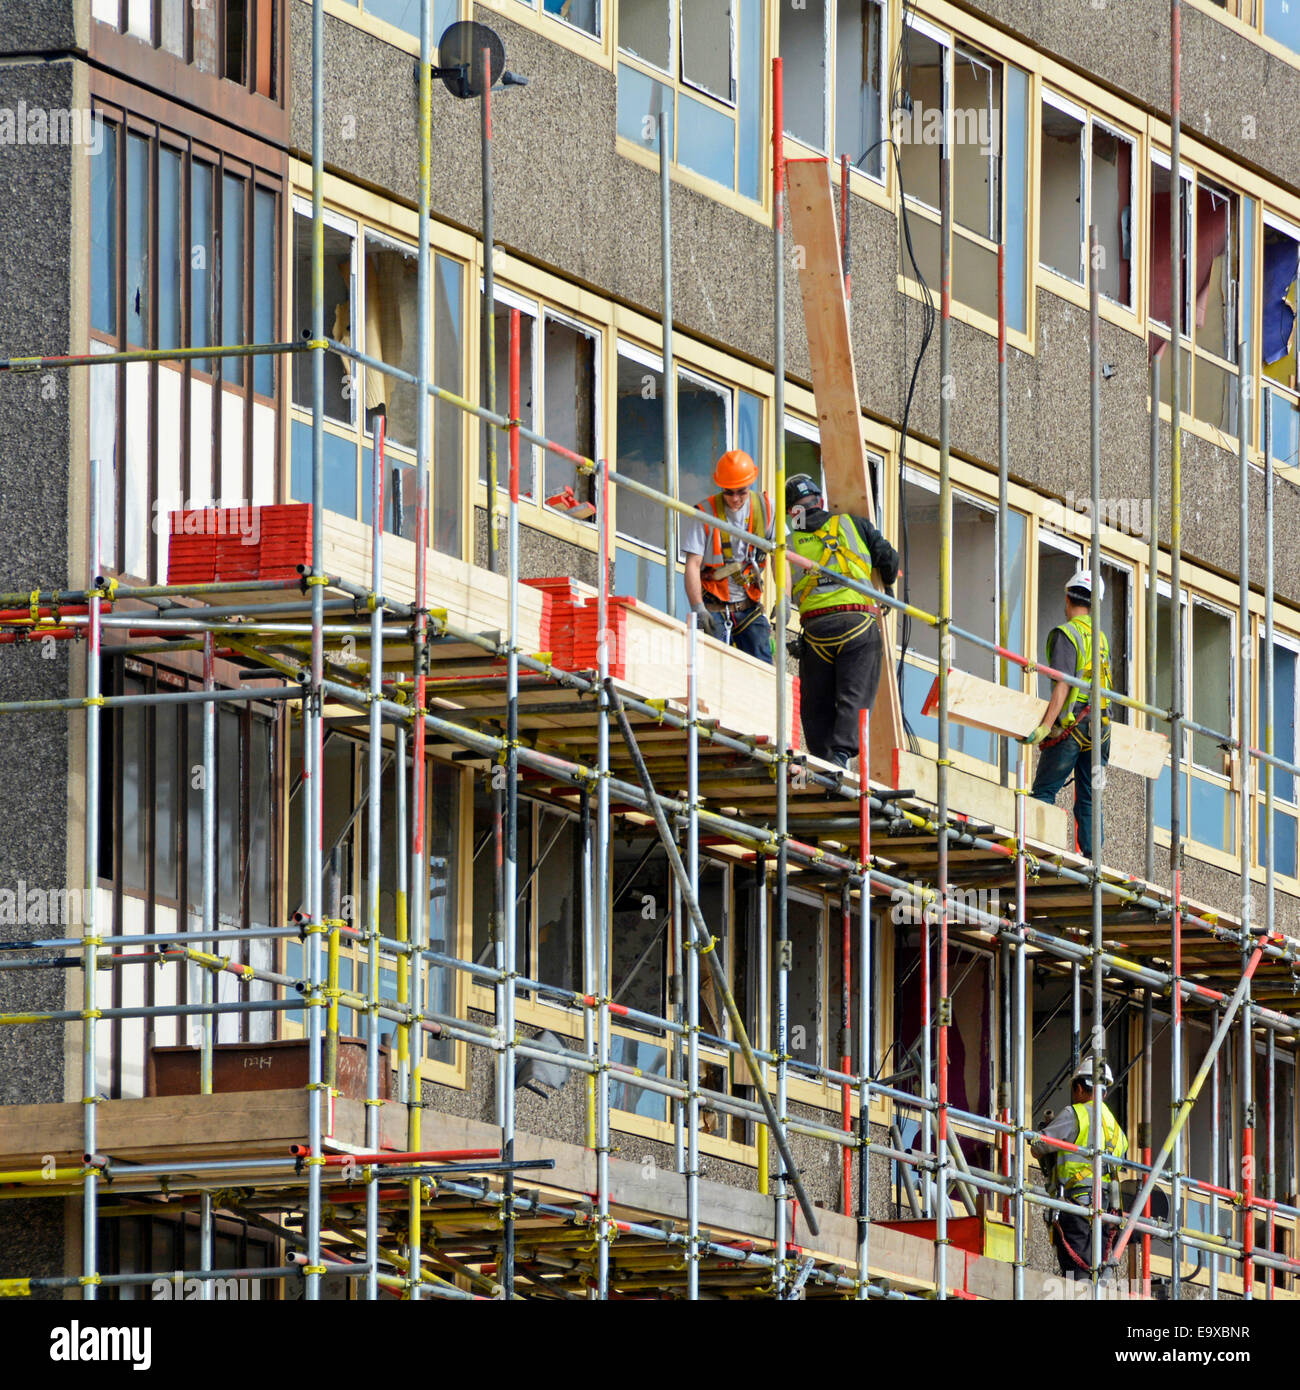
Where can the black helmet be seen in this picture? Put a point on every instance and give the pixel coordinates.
(799, 490)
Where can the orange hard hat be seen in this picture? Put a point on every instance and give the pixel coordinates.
(735, 469)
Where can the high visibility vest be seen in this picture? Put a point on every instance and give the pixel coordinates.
(1078, 632)
(835, 545)
(1072, 1170)
(719, 554)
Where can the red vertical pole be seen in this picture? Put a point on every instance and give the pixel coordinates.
(1248, 1210)
(778, 144)
(846, 1059)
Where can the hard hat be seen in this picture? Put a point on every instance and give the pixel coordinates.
(800, 489)
(1081, 581)
(735, 469)
(1086, 1071)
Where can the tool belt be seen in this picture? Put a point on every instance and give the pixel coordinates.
(738, 616)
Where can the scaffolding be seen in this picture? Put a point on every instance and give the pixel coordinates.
(399, 1218)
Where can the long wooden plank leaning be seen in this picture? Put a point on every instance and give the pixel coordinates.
(835, 387)
(1012, 713)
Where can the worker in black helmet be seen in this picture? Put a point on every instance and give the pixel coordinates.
(840, 647)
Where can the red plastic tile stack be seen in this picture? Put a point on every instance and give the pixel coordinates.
(239, 543)
(570, 627)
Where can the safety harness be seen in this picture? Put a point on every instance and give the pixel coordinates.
(714, 577)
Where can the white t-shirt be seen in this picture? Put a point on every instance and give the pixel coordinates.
(695, 540)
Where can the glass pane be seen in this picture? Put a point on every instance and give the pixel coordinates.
(706, 39)
(1164, 664)
(173, 26)
(339, 381)
(1061, 231)
(702, 436)
(136, 797)
(392, 334)
(230, 816)
(806, 1001)
(448, 422)
(919, 130)
(707, 142)
(1217, 290)
(202, 309)
(103, 236)
(749, 427)
(643, 30)
(137, 240)
(1284, 429)
(803, 60)
(261, 820)
(1112, 213)
(264, 282)
(858, 76)
(527, 376)
(1213, 665)
(340, 474)
(975, 275)
(640, 100)
(167, 799)
(1283, 841)
(1216, 398)
(1282, 22)
(976, 143)
(570, 389)
(1160, 279)
(750, 98)
(582, 14)
(559, 904)
(646, 1058)
(1284, 718)
(232, 274)
(640, 449)
(1279, 296)
(444, 850)
(1212, 813)
(171, 259)
(1016, 173)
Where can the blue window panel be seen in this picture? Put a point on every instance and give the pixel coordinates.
(1246, 297)
(974, 743)
(707, 141)
(232, 274)
(1284, 430)
(103, 234)
(640, 100)
(749, 426)
(264, 292)
(1282, 22)
(1284, 841)
(171, 257)
(643, 578)
(367, 483)
(137, 240)
(647, 1058)
(295, 968)
(582, 14)
(1212, 809)
(202, 310)
(1284, 681)
(1160, 798)
(1016, 584)
(1015, 173)
(340, 470)
(405, 15)
(750, 99)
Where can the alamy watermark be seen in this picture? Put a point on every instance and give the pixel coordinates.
(43, 125)
(920, 124)
(1131, 516)
(31, 906)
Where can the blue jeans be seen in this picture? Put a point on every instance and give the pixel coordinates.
(755, 638)
(1056, 765)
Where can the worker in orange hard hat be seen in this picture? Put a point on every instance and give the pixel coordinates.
(724, 574)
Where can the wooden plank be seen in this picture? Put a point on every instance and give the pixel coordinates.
(983, 801)
(835, 387)
(1013, 713)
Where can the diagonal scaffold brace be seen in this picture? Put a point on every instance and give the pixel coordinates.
(702, 940)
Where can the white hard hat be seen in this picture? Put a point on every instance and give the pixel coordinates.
(1086, 1072)
(1081, 579)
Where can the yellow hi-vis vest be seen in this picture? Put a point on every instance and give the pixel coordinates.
(1073, 1170)
(1078, 632)
(837, 546)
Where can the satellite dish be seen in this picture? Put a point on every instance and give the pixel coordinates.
(460, 58)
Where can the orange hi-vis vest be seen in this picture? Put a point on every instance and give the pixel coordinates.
(719, 565)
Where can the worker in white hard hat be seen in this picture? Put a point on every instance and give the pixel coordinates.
(1071, 1173)
(1064, 738)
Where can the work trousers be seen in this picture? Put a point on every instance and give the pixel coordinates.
(1071, 757)
(1076, 1232)
(838, 682)
(751, 632)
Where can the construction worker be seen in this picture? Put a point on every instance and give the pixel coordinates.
(1070, 1174)
(1065, 736)
(840, 649)
(724, 575)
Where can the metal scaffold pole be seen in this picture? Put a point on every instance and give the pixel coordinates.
(1245, 773)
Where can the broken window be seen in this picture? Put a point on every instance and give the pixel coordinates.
(804, 55)
(859, 85)
(1087, 180)
(920, 126)
(1278, 340)
(644, 29)
(391, 333)
(707, 38)
(503, 303)
(1058, 562)
(447, 493)
(570, 392)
